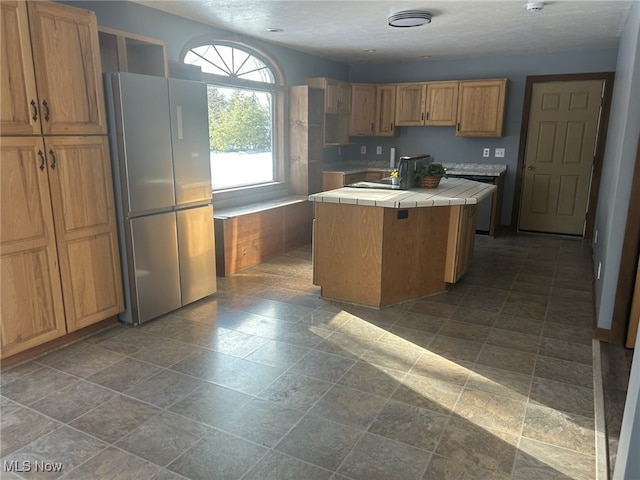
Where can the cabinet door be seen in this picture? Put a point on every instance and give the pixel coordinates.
(19, 111)
(363, 99)
(481, 108)
(66, 58)
(344, 98)
(32, 312)
(385, 110)
(441, 103)
(410, 99)
(331, 95)
(460, 243)
(84, 216)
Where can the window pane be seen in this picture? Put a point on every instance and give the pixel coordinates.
(229, 61)
(240, 136)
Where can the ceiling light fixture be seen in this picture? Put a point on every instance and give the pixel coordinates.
(274, 30)
(409, 18)
(535, 6)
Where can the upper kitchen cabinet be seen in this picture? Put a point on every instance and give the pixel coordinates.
(441, 103)
(127, 52)
(337, 107)
(385, 111)
(410, 104)
(19, 107)
(337, 94)
(363, 109)
(481, 108)
(66, 67)
(430, 103)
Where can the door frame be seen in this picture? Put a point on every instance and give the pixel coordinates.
(627, 273)
(608, 78)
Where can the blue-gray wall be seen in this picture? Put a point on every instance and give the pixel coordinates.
(441, 142)
(614, 202)
(176, 32)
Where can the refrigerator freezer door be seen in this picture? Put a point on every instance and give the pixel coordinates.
(155, 264)
(190, 141)
(197, 253)
(144, 142)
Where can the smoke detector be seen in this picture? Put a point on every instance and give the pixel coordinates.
(535, 6)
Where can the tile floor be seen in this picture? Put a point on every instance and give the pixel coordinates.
(265, 380)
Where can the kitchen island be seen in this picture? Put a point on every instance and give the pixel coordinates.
(380, 247)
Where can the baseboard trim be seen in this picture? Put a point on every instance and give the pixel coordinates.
(58, 342)
(602, 445)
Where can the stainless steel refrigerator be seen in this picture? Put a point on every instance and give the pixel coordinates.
(159, 140)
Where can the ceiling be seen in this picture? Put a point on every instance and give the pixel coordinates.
(345, 30)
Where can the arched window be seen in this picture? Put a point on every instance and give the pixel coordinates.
(246, 105)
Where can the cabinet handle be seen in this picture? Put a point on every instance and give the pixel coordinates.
(53, 159)
(46, 110)
(422, 116)
(41, 155)
(427, 115)
(372, 126)
(458, 126)
(35, 110)
(392, 126)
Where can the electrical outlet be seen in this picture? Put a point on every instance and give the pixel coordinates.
(363, 149)
(378, 150)
(486, 152)
(499, 152)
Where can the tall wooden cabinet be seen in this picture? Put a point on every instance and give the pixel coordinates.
(58, 238)
(305, 139)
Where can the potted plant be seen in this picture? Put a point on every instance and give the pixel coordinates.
(430, 175)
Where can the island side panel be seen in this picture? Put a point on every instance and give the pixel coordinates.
(414, 253)
(347, 251)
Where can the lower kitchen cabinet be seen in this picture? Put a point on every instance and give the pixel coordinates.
(462, 230)
(58, 241)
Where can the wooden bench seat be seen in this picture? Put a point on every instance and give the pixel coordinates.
(250, 234)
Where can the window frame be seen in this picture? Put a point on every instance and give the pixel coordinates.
(233, 196)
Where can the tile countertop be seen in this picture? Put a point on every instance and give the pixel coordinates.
(451, 191)
(480, 169)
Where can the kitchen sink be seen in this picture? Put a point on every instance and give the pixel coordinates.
(383, 184)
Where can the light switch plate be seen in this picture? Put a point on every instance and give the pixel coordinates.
(499, 152)
(378, 150)
(486, 152)
(363, 149)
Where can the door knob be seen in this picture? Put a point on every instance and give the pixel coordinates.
(531, 167)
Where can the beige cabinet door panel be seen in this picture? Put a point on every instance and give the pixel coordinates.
(363, 98)
(66, 58)
(481, 108)
(410, 104)
(385, 111)
(32, 311)
(82, 197)
(19, 106)
(441, 103)
(561, 137)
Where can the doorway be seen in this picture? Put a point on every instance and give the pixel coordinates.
(562, 138)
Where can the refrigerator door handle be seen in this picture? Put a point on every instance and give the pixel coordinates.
(179, 117)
